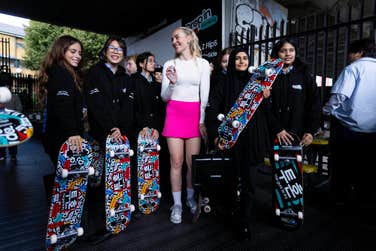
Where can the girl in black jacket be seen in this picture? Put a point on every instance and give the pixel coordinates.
(253, 143)
(295, 98)
(60, 77)
(109, 94)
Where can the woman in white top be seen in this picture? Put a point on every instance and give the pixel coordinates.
(185, 88)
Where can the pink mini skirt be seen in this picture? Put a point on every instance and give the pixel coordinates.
(182, 119)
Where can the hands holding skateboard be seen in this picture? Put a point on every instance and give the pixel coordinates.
(147, 133)
(287, 139)
(116, 134)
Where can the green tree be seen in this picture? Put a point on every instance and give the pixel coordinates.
(40, 36)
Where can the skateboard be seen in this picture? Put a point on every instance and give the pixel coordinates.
(97, 163)
(247, 103)
(148, 174)
(15, 128)
(118, 185)
(68, 196)
(287, 173)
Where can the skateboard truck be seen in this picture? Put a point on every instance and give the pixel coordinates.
(54, 238)
(113, 153)
(130, 208)
(65, 172)
(143, 196)
(157, 147)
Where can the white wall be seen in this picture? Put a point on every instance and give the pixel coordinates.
(158, 43)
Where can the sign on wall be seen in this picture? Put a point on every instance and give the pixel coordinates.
(206, 22)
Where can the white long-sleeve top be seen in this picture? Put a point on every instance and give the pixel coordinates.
(193, 82)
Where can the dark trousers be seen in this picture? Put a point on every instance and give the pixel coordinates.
(11, 150)
(351, 167)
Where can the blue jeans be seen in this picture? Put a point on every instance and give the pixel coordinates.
(12, 151)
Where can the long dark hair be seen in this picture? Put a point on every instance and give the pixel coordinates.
(280, 44)
(55, 56)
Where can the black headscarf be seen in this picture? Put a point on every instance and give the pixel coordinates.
(237, 79)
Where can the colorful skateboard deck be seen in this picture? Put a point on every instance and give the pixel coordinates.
(288, 184)
(247, 103)
(68, 196)
(97, 163)
(118, 185)
(15, 128)
(148, 174)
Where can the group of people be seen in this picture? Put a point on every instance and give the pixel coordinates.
(182, 104)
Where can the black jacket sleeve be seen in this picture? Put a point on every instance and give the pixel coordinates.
(312, 105)
(61, 92)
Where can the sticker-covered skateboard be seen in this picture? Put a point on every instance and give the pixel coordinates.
(247, 103)
(68, 196)
(118, 185)
(148, 174)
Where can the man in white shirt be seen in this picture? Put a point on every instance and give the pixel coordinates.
(353, 129)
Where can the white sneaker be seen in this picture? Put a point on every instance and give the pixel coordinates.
(176, 212)
(192, 204)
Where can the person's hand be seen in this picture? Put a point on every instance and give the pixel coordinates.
(145, 132)
(203, 130)
(116, 134)
(266, 92)
(285, 138)
(155, 134)
(171, 74)
(307, 139)
(75, 142)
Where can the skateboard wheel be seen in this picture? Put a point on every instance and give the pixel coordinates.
(80, 231)
(299, 158)
(207, 209)
(53, 239)
(158, 148)
(91, 171)
(142, 148)
(132, 208)
(277, 212)
(206, 200)
(221, 117)
(142, 196)
(276, 157)
(268, 72)
(300, 215)
(235, 124)
(252, 69)
(159, 195)
(64, 173)
(112, 212)
(112, 153)
(131, 153)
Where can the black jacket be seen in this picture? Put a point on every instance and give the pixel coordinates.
(64, 108)
(295, 101)
(149, 106)
(109, 100)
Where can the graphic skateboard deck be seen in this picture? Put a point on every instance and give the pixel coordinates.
(118, 185)
(247, 103)
(15, 128)
(148, 174)
(68, 196)
(288, 183)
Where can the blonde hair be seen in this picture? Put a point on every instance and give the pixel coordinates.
(194, 45)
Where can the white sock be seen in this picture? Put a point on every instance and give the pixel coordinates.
(190, 192)
(177, 198)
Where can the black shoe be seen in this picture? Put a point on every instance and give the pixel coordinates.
(136, 214)
(2, 159)
(13, 158)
